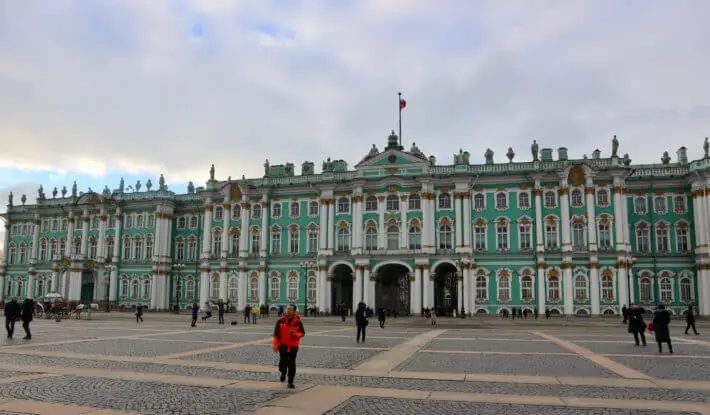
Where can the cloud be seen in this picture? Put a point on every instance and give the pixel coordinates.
(90, 88)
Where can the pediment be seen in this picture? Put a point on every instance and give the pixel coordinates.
(393, 158)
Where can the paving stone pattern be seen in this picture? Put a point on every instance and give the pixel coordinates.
(680, 349)
(506, 364)
(143, 397)
(496, 346)
(263, 355)
(349, 341)
(143, 348)
(676, 368)
(360, 405)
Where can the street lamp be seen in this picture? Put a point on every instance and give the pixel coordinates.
(307, 265)
(176, 270)
(459, 270)
(630, 261)
(110, 268)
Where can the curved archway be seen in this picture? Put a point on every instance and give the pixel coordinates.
(392, 288)
(341, 287)
(87, 286)
(377, 267)
(334, 265)
(446, 289)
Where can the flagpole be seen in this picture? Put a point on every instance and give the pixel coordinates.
(399, 105)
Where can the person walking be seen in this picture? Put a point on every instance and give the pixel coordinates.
(139, 313)
(13, 310)
(381, 317)
(208, 311)
(254, 314)
(661, 321)
(195, 312)
(637, 326)
(690, 320)
(28, 309)
(247, 311)
(624, 314)
(361, 321)
(220, 311)
(288, 333)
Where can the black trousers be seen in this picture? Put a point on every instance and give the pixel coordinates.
(691, 324)
(194, 321)
(221, 317)
(640, 334)
(361, 330)
(10, 326)
(382, 323)
(26, 326)
(287, 362)
(139, 318)
(668, 342)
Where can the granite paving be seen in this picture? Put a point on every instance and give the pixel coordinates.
(497, 346)
(360, 405)
(504, 364)
(211, 336)
(143, 397)
(349, 341)
(263, 355)
(682, 349)
(675, 368)
(124, 347)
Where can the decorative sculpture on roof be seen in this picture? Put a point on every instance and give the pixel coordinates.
(9, 199)
(64, 191)
(23, 199)
(121, 186)
(107, 191)
(462, 158)
(54, 192)
(138, 186)
(510, 154)
(307, 168)
(373, 151)
(614, 147)
(266, 167)
(596, 154)
(534, 148)
(416, 151)
(627, 160)
(666, 158)
(74, 189)
(212, 171)
(40, 193)
(392, 141)
(706, 147)
(327, 165)
(161, 183)
(432, 161)
(148, 185)
(190, 188)
(489, 156)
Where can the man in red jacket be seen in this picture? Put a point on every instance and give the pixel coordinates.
(287, 337)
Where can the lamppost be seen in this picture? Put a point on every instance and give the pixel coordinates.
(630, 261)
(307, 265)
(460, 271)
(176, 270)
(109, 267)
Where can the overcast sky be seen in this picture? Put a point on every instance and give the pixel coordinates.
(93, 90)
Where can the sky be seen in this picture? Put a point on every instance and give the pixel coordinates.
(96, 90)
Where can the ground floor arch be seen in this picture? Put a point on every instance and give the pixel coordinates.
(341, 288)
(88, 284)
(446, 289)
(392, 289)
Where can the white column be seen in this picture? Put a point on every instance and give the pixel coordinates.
(55, 281)
(29, 287)
(328, 292)
(366, 298)
(541, 289)
(357, 285)
(323, 226)
(6, 242)
(207, 231)
(625, 219)
(458, 222)
(225, 229)
(262, 286)
(467, 289)
(539, 225)
(591, 216)
(69, 246)
(84, 233)
(331, 225)
(223, 276)
(115, 255)
(244, 233)
(204, 285)
(618, 218)
(356, 234)
(35, 239)
(568, 289)
(381, 226)
(427, 223)
(622, 292)
(564, 212)
(102, 254)
(243, 287)
(416, 292)
(264, 228)
(428, 286)
(404, 228)
(467, 222)
(321, 288)
(155, 291)
(594, 285)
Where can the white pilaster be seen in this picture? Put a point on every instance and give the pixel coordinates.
(323, 226)
(69, 246)
(564, 213)
(619, 219)
(262, 286)
(415, 292)
(102, 254)
(227, 214)
(468, 304)
(321, 302)
(366, 298)
(591, 216)
(356, 234)
(467, 221)
(84, 233)
(428, 286)
(541, 289)
(207, 233)
(382, 227)
(568, 289)
(621, 283)
(155, 289)
(223, 276)
(458, 221)
(404, 227)
(329, 293)
(539, 225)
(331, 225)
(35, 239)
(625, 219)
(357, 285)
(264, 228)
(243, 287)
(30, 287)
(594, 285)
(244, 233)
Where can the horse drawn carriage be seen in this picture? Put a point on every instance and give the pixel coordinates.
(52, 306)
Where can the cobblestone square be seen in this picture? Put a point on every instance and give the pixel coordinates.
(124, 347)
(668, 368)
(348, 340)
(219, 336)
(628, 347)
(501, 345)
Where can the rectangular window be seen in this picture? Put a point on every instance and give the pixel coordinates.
(480, 237)
(293, 242)
(502, 237)
(525, 237)
(276, 243)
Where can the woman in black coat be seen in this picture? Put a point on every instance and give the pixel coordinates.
(690, 319)
(361, 321)
(661, 320)
(637, 326)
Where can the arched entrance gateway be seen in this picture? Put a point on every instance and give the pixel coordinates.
(87, 286)
(446, 289)
(392, 289)
(341, 294)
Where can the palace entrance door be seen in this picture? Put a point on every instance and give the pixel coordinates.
(87, 286)
(446, 290)
(392, 289)
(341, 289)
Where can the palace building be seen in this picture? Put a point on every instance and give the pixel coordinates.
(398, 231)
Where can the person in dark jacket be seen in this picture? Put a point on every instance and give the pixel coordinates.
(220, 311)
(690, 320)
(637, 326)
(287, 338)
(247, 312)
(661, 320)
(28, 309)
(361, 321)
(195, 313)
(12, 312)
(381, 317)
(139, 313)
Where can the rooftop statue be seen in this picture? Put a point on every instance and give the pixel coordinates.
(138, 186)
(373, 151)
(190, 188)
(23, 199)
(266, 167)
(40, 193)
(54, 192)
(510, 154)
(107, 191)
(74, 190)
(121, 186)
(614, 147)
(212, 172)
(416, 151)
(665, 159)
(706, 147)
(64, 191)
(148, 185)
(161, 183)
(534, 148)
(489, 156)
(9, 199)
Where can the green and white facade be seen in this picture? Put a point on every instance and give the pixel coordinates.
(397, 231)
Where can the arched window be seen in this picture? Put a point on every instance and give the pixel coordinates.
(444, 201)
(604, 233)
(276, 241)
(479, 202)
(135, 289)
(218, 213)
(182, 222)
(481, 288)
(579, 240)
(313, 239)
(666, 290)
(39, 292)
(53, 249)
(11, 254)
(445, 237)
(124, 287)
(313, 209)
(645, 290)
(576, 198)
(553, 288)
(393, 237)
(254, 289)
(679, 204)
(415, 202)
(77, 246)
(217, 242)
(295, 210)
(660, 205)
(193, 222)
(20, 287)
(343, 240)
(149, 248)
(109, 246)
(526, 287)
(233, 288)
(524, 200)
(550, 199)
(504, 288)
(501, 201)
(681, 238)
(640, 205)
(642, 242)
(371, 237)
(343, 205)
(192, 249)
(371, 204)
(392, 202)
(603, 198)
(551, 234)
(580, 288)
(139, 220)
(137, 248)
(686, 290)
(234, 248)
(146, 287)
(502, 235)
(607, 288)
(256, 211)
(42, 250)
(214, 286)
(255, 240)
(415, 237)
(293, 240)
(479, 235)
(236, 211)
(276, 210)
(190, 291)
(311, 289)
(275, 287)
(23, 252)
(292, 288)
(662, 240)
(93, 247)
